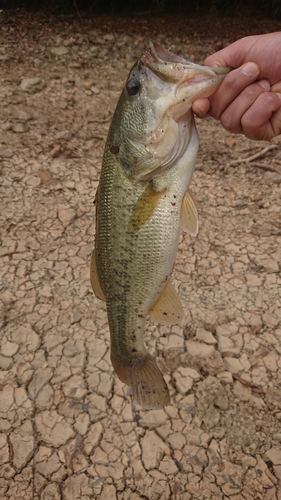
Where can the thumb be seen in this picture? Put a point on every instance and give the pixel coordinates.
(233, 55)
(201, 107)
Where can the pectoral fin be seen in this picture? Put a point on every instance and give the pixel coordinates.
(144, 208)
(95, 279)
(168, 308)
(189, 214)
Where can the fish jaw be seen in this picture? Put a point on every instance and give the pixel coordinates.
(172, 84)
(183, 79)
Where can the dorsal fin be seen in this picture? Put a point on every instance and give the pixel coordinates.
(168, 308)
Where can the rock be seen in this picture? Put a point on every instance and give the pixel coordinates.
(76, 487)
(8, 297)
(22, 442)
(94, 50)
(66, 215)
(44, 176)
(4, 449)
(56, 151)
(69, 41)
(76, 316)
(173, 342)
(6, 398)
(109, 37)
(8, 348)
(153, 450)
(59, 51)
(6, 153)
(64, 134)
(95, 89)
(53, 428)
(74, 387)
(5, 363)
(273, 176)
(5, 126)
(274, 454)
(167, 466)
(21, 398)
(40, 378)
(177, 440)
(270, 361)
(205, 336)
(153, 418)
(108, 493)
(32, 85)
(47, 461)
(88, 84)
(241, 391)
(51, 492)
(28, 338)
(23, 115)
(20, 128)
(233, 365)
(33, 181)
(195, 348)
(93, 437)
(45, 397)
(183, 380)
(82, 423)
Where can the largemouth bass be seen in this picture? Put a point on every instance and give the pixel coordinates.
(142, 203)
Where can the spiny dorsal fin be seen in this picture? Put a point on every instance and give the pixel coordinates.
(168, 308)
(95, 279)
(144, 208)
(189, 214)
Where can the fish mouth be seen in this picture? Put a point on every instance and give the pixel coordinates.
(172, 83)
(170, 67)
(174, 75)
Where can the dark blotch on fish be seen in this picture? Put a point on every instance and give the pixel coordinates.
(114, 149)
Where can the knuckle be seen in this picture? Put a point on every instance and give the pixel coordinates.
(229, 123)
(232, 81)
(252, 91)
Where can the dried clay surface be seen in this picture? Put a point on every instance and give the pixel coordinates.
(68, 427)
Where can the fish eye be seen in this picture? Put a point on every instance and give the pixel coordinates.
(133, 86)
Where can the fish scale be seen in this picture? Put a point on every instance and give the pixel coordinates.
(142, 203)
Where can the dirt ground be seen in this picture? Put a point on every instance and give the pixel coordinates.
(68, 427)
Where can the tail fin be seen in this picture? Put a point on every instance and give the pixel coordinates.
(144, 377)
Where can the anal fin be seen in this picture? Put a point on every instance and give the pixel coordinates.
(189, 214)
(168, 308)
(95, 279)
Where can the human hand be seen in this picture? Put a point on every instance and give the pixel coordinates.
(248, 101)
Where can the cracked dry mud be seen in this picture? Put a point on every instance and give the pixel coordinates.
(68, 428)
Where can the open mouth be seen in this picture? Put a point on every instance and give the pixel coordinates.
(171, 67)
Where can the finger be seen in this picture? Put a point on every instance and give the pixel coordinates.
(231, 118)
(233, 55)
(233, 84)
(201, 107)
(276, 87)
(262, 121)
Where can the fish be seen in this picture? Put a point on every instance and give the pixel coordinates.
(143, 202)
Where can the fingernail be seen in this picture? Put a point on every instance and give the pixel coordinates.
(251, 69)
(264, 84)
(279, 95)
